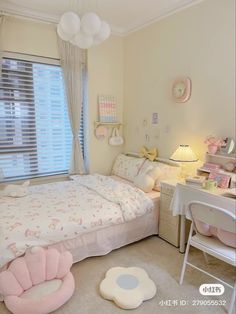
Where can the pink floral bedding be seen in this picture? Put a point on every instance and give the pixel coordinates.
(58, 211)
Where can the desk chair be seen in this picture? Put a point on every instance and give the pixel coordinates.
(219, 218)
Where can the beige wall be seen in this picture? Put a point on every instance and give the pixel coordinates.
(198, 42)
(29, 37)
(105, 70)
(105, 75)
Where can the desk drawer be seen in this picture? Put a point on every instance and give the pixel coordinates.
(166, 216)
(167, 190)
(169, 233)
(165, 202)
(168, 224)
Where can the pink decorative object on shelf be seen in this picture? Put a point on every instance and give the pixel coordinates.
(213, 144)
(212, 149)
(230, 166)
(211, 166)
(223, 180)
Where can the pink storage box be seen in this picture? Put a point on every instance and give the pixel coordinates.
(211, 166)
(223, 180)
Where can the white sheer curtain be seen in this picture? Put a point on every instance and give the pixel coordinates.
(72, 61)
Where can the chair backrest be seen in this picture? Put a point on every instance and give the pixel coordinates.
(213, 216)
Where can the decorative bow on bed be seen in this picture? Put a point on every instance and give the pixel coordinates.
(150, 154)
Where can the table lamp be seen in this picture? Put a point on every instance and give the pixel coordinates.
(184, 154)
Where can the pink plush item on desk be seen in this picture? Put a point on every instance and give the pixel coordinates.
(38, 283)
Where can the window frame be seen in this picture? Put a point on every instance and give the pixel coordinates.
(40, 178)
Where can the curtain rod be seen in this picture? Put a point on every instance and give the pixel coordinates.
(31, 55)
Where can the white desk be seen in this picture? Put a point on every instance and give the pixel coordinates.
(184, 194)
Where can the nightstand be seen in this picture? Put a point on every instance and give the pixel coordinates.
(169, 225)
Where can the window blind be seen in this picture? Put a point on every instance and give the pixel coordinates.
(35, 133)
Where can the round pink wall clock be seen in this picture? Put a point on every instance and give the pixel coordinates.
(181, 90)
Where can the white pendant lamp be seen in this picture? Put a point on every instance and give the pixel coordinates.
(83, 40)
(70, 23)
(104, 33)
(91, 23)
(84, 33)
(62, 34)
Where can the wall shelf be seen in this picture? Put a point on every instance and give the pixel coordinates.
(221, 160)
(222, 171)
(108, 124)
(232, 156)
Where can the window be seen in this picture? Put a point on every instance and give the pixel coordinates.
(35, 133)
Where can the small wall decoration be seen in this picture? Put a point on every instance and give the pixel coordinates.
(116, 139)
(101, 132)
(181, 89)
(107, 108)
(155, 118)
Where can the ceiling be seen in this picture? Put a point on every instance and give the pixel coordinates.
(124, 16)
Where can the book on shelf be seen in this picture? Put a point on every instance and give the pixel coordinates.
(195, 185)
(196, 179)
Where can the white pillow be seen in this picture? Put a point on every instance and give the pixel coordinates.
(127, 167)
(167, 172)
(146, 180)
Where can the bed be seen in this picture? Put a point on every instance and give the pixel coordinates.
(88, 215)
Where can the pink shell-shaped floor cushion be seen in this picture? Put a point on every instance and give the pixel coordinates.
(36, 263)
(20, 270)
(228, 238)
(42, 305)
(65, 261)
(33, 284)
(9, 285)
(52, 263)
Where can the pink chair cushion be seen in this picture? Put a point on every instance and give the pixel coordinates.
(228, 238)
(37, 266)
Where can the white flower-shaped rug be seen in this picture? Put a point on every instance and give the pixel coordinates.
(127, 287)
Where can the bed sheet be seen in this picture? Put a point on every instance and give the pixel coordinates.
(59, 211)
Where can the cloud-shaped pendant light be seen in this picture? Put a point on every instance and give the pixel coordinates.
(86, 32)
